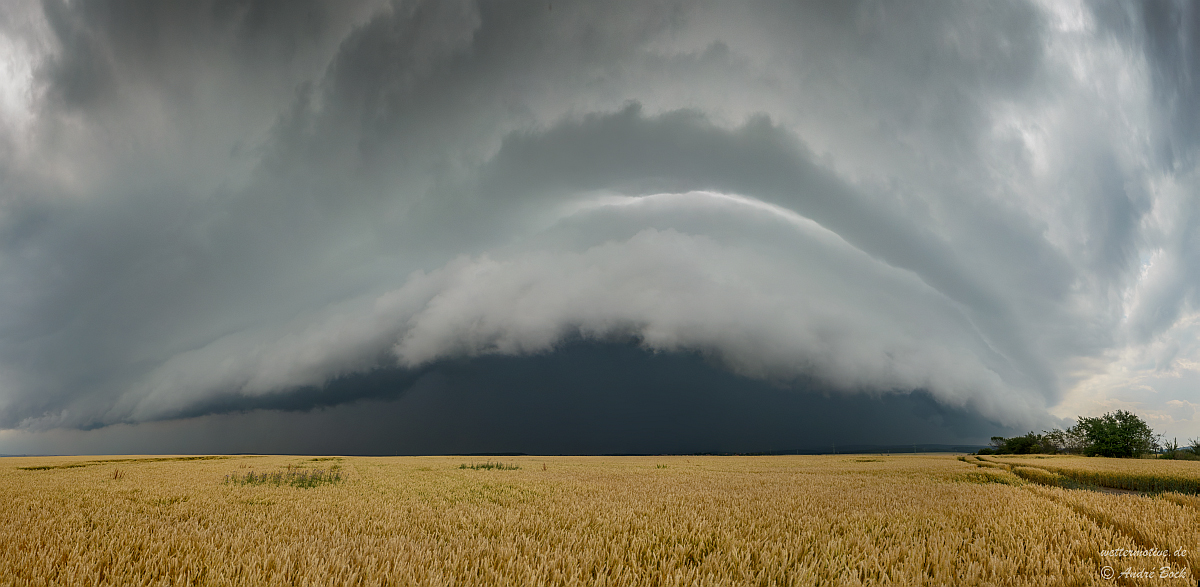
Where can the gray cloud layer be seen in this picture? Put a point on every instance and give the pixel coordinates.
(235, 204)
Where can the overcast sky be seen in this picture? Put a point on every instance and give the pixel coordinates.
(399, 227)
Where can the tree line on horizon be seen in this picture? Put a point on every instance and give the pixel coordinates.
(1119, 434)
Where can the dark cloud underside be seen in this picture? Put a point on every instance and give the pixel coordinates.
(584, 399)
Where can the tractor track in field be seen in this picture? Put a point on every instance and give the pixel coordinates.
(1099, 518)
(1104, 520)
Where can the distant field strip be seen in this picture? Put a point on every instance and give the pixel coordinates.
(77, 464)
(779, 520)
(1148, 475)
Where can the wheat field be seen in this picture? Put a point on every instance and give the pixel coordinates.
(1133, 474)
(714, 520)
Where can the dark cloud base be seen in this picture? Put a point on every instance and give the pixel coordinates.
(585, 398)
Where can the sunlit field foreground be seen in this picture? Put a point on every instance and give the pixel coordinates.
(786, 520)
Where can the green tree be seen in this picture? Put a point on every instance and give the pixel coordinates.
(1071, 440)
(1117, 434)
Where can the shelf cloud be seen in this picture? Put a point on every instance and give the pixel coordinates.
(283, 212)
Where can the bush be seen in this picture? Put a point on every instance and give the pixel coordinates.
(1172, 451)
(490, 465)
(292, 477)
(1182, 454)
(1024, 445)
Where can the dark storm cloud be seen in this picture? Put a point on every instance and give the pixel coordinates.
(1172, 32)
(215, 207)
(585, 399)
(1169, 32)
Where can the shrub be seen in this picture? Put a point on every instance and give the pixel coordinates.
(489, 465)
(1024, 445)
(1182, 454)
(291, 477)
